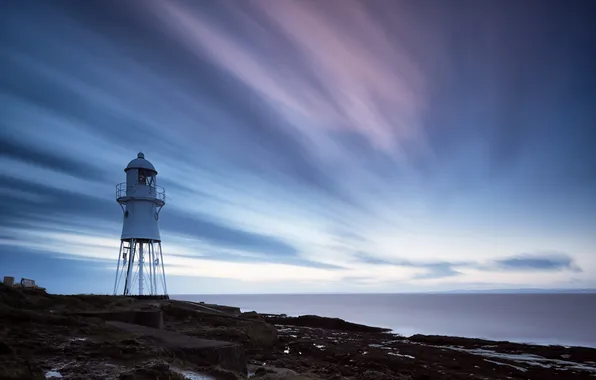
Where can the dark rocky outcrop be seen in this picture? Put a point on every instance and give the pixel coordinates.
(322, 322)
(151, 371)
(40, 332)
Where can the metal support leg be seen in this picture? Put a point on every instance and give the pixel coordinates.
(163, 271)
(154, 278)
(153, 274)
(130, 269)
(118, 267)
(141, 262)
(148, 266)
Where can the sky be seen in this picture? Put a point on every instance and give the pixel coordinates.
(305, 146)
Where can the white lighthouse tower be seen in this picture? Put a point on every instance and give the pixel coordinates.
(140, 261)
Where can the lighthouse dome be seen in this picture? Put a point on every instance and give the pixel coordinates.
(140, 163)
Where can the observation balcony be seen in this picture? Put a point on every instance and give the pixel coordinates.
(146, 192)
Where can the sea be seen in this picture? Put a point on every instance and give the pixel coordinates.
(562, 319)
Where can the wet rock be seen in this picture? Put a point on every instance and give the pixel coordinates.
(129, 350)
(251, 314)
(306, 347)
(220, 373)
(262, 334)
(373, 375)
(152, 371)
(287, 376)
(323, 322)
(19, 370)
(262, 371)
(130, 342)
(5, 349)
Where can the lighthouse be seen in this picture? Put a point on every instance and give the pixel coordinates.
(140, 268)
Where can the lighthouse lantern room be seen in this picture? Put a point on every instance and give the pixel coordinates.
(140, 268)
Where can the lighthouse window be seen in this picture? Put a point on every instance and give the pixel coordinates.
(142, 177)
(146, 177)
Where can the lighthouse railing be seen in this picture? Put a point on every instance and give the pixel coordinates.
(121, 190)
(156, 191)
(160, 193)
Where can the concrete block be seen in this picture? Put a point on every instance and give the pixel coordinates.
(202, 352)
(148, 318)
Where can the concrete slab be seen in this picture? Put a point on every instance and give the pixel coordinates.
(206, 308)
(149, 318)
(202, 352)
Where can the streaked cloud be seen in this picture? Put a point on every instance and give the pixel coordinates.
(539, 262)
(377, 91)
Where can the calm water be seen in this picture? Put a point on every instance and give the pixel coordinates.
(566, 319)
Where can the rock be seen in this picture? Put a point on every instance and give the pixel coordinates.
(130, 342)
(262, 371)
(5, 349)
(152, 371)
(262, 334)
(200, 352)
(129, 350)
(287, 376)
(251, 315)
(19, 370)
(311, 347)
(372, 375)
(323, 322)
(13, 297)
(221, 374)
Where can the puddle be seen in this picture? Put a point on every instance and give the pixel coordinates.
(192, 375)
(528, 359)
(582, 367)
(507, 365)
(285, 329)
(53, 375)
(401, 355)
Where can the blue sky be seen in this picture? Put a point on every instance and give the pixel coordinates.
(378, 146)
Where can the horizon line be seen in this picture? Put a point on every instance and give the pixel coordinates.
(492, 291)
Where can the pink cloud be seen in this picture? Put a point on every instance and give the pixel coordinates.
(372, 85)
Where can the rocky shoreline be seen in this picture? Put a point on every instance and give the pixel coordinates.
(84, 337)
